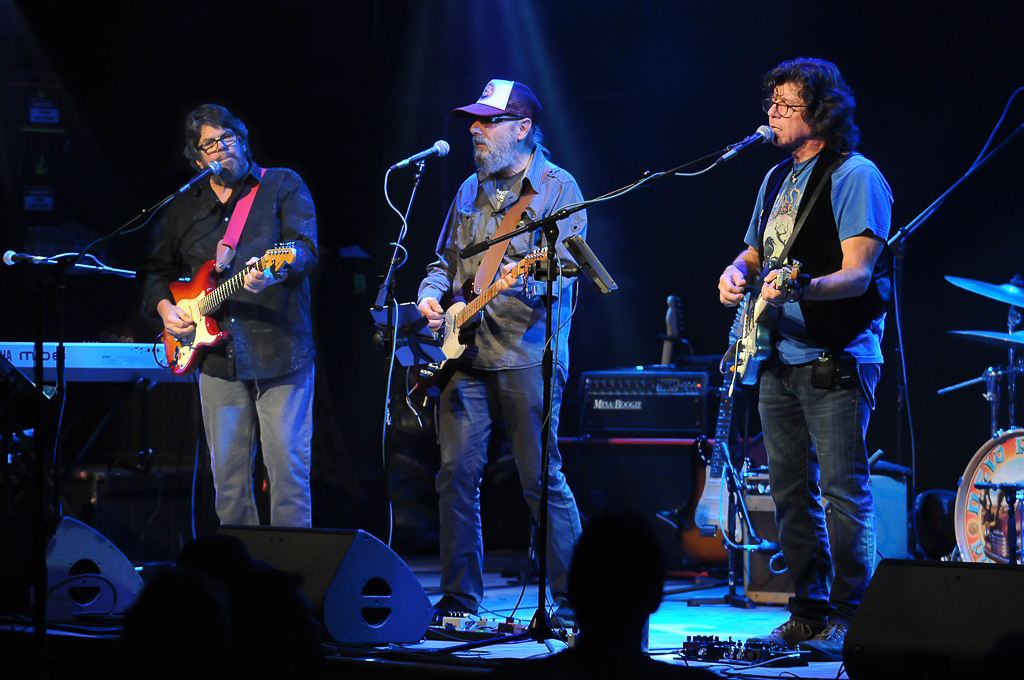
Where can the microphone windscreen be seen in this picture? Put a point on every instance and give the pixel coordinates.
(766, 132)
(215, 166)
(442, 147)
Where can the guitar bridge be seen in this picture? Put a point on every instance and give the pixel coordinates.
(708, 530)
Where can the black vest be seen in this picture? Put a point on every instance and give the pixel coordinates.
(832, 324)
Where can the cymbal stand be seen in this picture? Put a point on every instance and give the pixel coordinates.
(1012, 321)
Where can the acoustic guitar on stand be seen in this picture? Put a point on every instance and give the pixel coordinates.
(202, 296)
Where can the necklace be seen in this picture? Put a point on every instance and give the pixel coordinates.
(501, 197)
(798, 172)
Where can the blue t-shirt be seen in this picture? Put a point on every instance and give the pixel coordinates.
(861, 202)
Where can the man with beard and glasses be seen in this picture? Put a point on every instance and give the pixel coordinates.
(260, 382)
(829, 208)
(503, 384)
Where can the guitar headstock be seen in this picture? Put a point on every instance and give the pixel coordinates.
(280, 255)
(523, 266)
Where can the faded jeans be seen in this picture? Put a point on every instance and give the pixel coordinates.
(467, 406)
(816, 449)
(280, 412)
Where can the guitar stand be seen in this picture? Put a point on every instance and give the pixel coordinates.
(737, 504)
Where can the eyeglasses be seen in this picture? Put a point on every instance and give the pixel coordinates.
(228, 140)
(490, 121)
(782, 107)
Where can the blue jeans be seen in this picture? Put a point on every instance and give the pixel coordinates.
(280, 412)
(816, 449)
(467, 407)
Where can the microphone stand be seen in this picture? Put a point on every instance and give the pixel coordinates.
(385, 293)
(42, 529)
(540, 624)
(898, 245)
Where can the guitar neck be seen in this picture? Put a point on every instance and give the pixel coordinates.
(474, 307)
(722, 429)
(480, 301)
(209, 304)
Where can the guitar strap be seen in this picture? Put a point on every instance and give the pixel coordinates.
(805, 210)
(494, 255)
(226, 246)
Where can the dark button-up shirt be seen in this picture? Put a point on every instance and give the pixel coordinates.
(271, 331)
(512, 334)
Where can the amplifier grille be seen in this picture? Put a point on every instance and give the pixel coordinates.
(643, 402)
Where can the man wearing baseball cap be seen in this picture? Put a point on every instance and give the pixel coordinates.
(503, 383)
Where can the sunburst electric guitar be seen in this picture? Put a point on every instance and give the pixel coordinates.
(202, 296)
(455, 332)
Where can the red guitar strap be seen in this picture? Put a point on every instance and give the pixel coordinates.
(226, 246)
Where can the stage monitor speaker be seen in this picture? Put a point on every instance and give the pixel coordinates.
(362, 591)
(923, 619)
(86, 575)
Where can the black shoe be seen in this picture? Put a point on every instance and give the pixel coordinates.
(564, 616)
(786, 636)
(449, 605)
(828, 644)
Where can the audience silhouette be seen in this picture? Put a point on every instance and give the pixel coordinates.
(616, 580)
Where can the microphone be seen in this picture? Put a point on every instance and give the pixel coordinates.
(213, 168)
(12, 258)
(440, 147)
(763, 134)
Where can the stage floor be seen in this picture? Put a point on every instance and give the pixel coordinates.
(669, 627)
(77, 650)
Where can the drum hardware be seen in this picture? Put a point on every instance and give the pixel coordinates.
(983, 516)
(1013, 492)
(1012, 294)
(991, 379)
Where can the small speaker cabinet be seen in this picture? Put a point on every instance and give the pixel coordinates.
(763, 586)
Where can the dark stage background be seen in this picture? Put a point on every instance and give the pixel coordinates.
(340, 90)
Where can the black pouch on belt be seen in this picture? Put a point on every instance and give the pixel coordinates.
(830, 370)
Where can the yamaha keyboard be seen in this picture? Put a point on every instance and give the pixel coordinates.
(91, 361)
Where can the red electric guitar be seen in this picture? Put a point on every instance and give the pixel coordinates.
(202, 296)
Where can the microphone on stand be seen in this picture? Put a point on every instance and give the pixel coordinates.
(440, 147)
(213, 168)
(12, 258)
(763, 134)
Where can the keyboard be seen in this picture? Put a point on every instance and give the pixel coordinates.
(92, 361)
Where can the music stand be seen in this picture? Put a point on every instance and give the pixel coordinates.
(416, 344)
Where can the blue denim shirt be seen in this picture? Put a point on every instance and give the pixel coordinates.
(512, 334)
(271, 331)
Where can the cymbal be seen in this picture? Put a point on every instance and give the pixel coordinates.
(1003, 292)
(1007, 340)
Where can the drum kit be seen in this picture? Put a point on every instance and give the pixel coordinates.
(987, 518)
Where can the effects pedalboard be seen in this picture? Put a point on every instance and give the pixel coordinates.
(708, 648)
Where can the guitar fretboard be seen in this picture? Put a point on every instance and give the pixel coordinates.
(218, 295)
(473, 308)
(722, 428)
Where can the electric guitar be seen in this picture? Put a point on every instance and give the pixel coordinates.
(701, 536)
(201, 297)
(460, 319)
(754, 344)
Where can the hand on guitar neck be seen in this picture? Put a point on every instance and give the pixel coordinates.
(435, 313)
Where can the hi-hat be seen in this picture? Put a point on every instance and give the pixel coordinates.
(1003, 292)
(1007, 340)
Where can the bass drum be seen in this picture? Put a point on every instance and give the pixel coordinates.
(983, 515)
